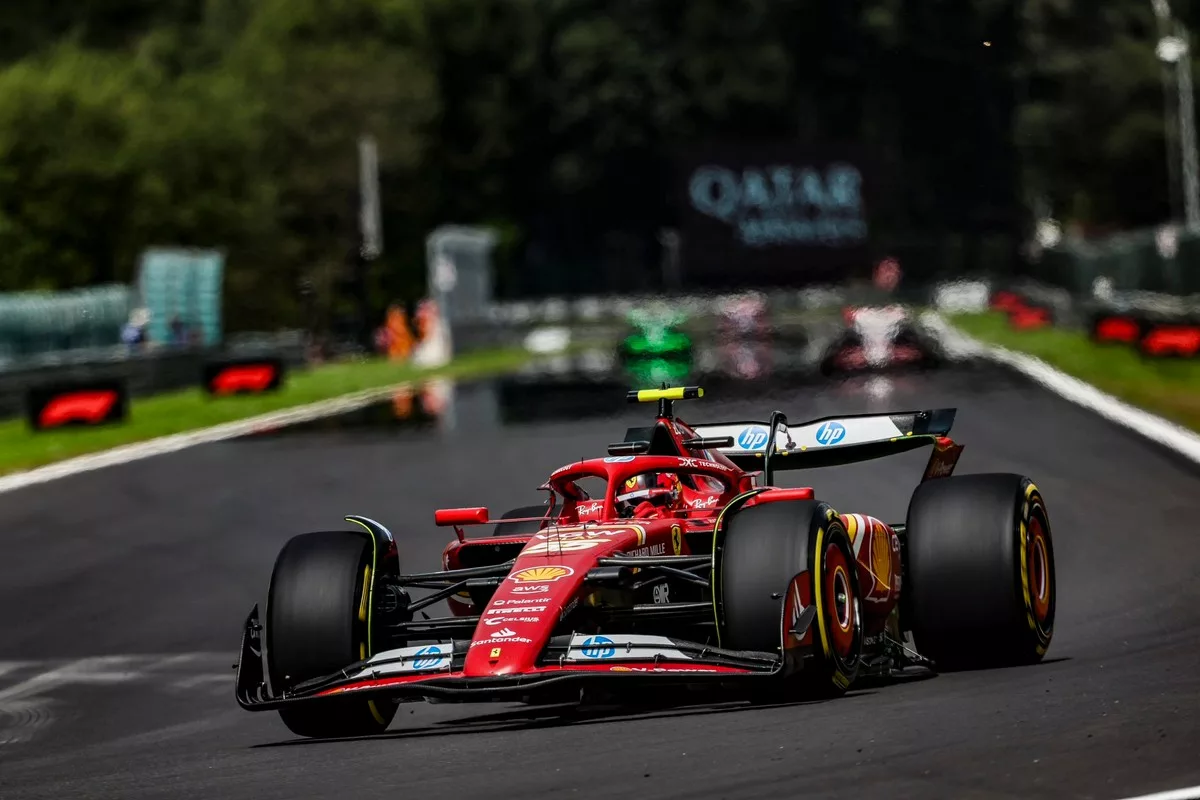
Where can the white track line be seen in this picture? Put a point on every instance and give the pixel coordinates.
(1190, 793)
(1159, 430)
(181, 441)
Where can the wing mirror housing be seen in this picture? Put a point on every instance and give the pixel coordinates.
(445, 517)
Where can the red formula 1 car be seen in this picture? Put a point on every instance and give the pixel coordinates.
(669, 567)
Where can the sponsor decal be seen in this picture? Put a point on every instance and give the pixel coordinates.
(703, 502)
(566, 546)
(495, 653)
(506, 620)
(598, 647)
(571, 540)
(831, 433)
(525, 610)
(677, 539)
(752, 438)
(943, 460)
(571, 534)
(662, 594)
(650, 550)
(429, 657)
(941, 469)
(591, 508)
(521, 601)
(537, 589)
(541, 574)
(618, 459)
(701, 463)
(506, 635)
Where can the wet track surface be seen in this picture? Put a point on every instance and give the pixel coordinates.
(123, 591)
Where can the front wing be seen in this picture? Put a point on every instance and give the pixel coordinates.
(435, 671)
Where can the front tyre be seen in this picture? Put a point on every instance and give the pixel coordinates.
(318, 615)
(979, 579)
(776, 560)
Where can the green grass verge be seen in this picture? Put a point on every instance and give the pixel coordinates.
(1168, 387)
(192, 409)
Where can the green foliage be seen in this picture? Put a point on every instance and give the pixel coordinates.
(233, 123)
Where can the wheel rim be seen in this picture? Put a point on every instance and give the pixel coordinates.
(840, 600)
(1041, 586)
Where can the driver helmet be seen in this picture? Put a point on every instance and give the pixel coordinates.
(642, 488)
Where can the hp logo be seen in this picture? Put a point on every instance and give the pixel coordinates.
(598, 647)
(428, 657)
(752, 438)
(831, 433)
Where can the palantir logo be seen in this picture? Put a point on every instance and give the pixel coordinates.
(752, 438)
(598, 647)
(831, 433)
(428, 657)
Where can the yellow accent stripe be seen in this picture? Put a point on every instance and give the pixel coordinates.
(366, 610)
(362, 604)
(371, 593)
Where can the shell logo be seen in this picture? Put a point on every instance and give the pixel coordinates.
(541, 574)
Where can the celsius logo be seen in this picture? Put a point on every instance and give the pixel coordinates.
(752, 438)
(831, 433)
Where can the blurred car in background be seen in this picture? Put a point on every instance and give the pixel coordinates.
(656, 333)
(879, 338)
(744, 316)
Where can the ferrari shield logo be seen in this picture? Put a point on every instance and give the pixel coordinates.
(676, 539)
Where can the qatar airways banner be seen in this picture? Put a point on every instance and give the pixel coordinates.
(773, 214)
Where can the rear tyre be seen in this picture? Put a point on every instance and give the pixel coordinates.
(979, 575)
(776, 558)
(520, 528)
(317, 624)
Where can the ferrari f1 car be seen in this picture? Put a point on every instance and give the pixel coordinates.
(671, 566)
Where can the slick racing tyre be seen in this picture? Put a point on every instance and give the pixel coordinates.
(777, 558)
(979, 574)
(520, 528)
(317, 624)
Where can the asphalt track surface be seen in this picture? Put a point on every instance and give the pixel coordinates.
(123, 591)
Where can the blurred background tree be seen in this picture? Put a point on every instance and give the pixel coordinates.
(233, 124)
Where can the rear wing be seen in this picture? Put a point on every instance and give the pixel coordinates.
(828, 441)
